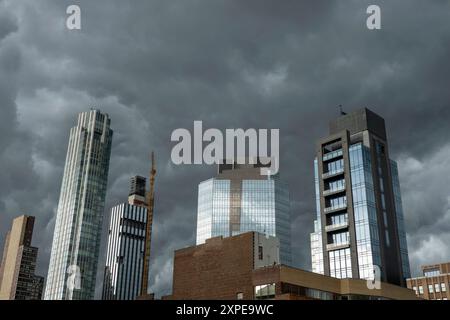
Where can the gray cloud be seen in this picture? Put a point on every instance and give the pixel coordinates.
(155, 66)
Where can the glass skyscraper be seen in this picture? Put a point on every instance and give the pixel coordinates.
(126, 244)
(239, 200)
(359, 227)
(76, 240)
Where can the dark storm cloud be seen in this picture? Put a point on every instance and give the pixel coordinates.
(155, 66)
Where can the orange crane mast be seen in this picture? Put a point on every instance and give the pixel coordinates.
(148, 232)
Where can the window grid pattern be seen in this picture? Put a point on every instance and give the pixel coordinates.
(125, 253)
(264, 207)
(400, 220)
(365, 214)
(316, 236)
(335, 185)
(334, 167)
(213, 217)
(221, 208)
(340, 263)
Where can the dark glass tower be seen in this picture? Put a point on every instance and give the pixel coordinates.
(359, 224)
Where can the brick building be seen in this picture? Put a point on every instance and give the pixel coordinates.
(222, 267)
(434, 284)
(247, 267)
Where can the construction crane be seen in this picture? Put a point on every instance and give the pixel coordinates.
(148, 231)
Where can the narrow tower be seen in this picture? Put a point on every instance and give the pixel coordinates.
(76, 240)
(126, 245)
(359, 230)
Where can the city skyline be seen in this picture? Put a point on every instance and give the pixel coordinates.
(355, 120)
(154, 69)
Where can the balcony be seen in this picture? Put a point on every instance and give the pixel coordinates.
(330, 192)
(332, 173)
(337, 226)
(337, 246)
(335, 208)
(332, 155)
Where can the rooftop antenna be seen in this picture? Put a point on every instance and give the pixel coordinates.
(341, 110)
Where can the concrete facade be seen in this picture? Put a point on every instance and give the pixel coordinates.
(17, 278)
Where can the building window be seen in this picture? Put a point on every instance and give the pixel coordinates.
(240, 296)
(321, 295)
(420, 289)
(430, 288)
(260, 253)
(431, 272)
(265, 291)
(443, 287)
(437, 288)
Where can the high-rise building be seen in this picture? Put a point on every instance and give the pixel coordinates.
(126, 244)
(37, 288)
(17, 278)
(359, 230)
(434, 284)
(239, 199)
(76, 239)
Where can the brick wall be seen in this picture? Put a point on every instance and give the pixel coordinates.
(218, 269)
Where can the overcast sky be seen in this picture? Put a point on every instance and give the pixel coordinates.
(158, 65)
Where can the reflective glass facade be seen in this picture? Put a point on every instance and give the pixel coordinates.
(365, 219)
(76, 239)
(316, 236)
(213, 216)
(400, 220)
(365, 213)
(227, 208)
(340, 263)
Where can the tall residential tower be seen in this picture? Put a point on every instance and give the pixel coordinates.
(240, 200)
(359, 228)
(126, 243)
(76, 240)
